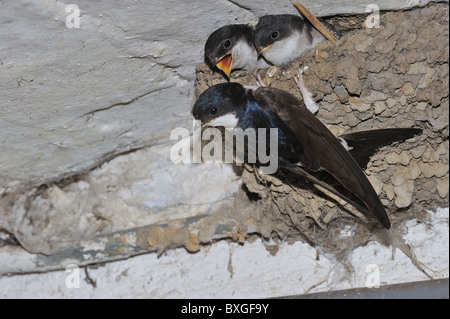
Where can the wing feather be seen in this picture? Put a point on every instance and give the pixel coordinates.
(321, 149)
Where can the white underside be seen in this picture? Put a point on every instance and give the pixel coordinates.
(245, 57)
(228, 120)
(291, 48)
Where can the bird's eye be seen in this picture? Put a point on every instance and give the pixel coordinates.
(275, 34)
(227, 44)
(213, 111)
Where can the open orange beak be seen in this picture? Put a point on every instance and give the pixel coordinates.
(225, 64)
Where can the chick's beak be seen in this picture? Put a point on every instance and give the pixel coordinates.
(262, 50)
(225, 64)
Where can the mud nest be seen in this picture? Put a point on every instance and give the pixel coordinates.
(392, 76)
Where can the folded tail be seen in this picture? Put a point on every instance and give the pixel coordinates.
(363, 145)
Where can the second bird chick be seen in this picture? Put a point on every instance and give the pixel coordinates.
(282, 39)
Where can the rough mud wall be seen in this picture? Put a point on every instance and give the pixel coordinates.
(85, 174)
(392, 76)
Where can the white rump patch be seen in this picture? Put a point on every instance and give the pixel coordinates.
(344, 143)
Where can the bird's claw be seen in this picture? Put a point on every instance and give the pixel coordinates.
(299, 79)
(307, 97)
(259, 81)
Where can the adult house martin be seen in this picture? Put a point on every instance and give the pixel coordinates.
(305, 145)
(282, 39)
(231, 47)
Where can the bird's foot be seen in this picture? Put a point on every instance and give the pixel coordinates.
(299, 80)
(259, 81)
(307, 96)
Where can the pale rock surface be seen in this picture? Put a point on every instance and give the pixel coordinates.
(74, 102)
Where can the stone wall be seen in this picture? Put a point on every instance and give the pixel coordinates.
(86, 115)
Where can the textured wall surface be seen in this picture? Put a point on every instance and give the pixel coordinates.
(387, 77)
(74, 99)
(85, 120)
